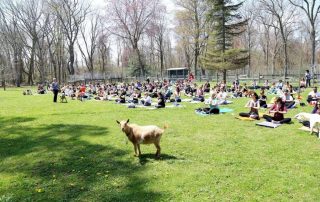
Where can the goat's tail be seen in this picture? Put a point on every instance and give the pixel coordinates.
(165, 126)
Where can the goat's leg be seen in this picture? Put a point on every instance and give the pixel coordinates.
(138, 145)
(135, 150)
(311, 128)
(158, 149)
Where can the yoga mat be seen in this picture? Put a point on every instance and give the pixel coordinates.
(268, 124)
(225, 110)
(222, 111)
(186, 100)
(244, 118)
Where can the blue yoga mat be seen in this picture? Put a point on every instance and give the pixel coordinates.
(222, 111)
(225, 110)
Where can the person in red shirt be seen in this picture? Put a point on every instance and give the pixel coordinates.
(82, 91)
(278, 110)
(191, 77)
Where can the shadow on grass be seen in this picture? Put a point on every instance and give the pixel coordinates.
(144, 158)
(52, 163)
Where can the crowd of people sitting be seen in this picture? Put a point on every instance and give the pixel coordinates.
(284, 96)
(138, 92)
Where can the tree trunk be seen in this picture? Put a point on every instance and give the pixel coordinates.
(17, 68)
(273, 65)
(286, 61)
(313, 48)
(187, 59)
(54, 63)
(249, 59)
(161, 61)
(141, 63)
(71, 60)
(31, 65)
(224, 75)
(41, 70)
(203, 71)
(196, 61)
(3, 80)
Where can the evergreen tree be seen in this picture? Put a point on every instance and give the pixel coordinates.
(227, 24)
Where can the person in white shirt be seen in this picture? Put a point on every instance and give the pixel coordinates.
(146, 101)
(254, 106)
(288, 99)
(313, 96)
(280, 85)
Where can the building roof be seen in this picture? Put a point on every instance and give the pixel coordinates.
(177, 68)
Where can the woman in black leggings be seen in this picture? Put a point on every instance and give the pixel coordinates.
(278, 110)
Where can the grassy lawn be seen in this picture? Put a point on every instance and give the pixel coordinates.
(76, 152)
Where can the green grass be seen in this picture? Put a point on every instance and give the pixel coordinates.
(76, 152)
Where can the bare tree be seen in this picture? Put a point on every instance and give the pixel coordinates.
(29, 13)
(71, 14)
(130, 19)
(103, 50)
(312, 9)
(157, 29)
(284, 16)
(89, 35)
(249, 14)
(13, 36)
(184, 40)
(195, 11)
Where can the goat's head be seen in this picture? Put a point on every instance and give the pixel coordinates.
(123, 124)
(301, 117)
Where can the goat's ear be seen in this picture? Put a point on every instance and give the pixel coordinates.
(128, 121)
(117, 121)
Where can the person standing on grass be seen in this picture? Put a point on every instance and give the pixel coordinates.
(308, 78)
(55, 89)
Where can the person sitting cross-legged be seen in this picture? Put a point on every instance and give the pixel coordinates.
(161, 101)
(278, 110)
(254, 106)
(146, 101)
(313, 96)
(288, 99)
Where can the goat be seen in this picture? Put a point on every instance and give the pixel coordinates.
(142, 135)
(314, 120)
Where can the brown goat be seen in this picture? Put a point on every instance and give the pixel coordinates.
(142, 135)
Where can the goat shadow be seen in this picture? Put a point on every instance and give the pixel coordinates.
(145, 158)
